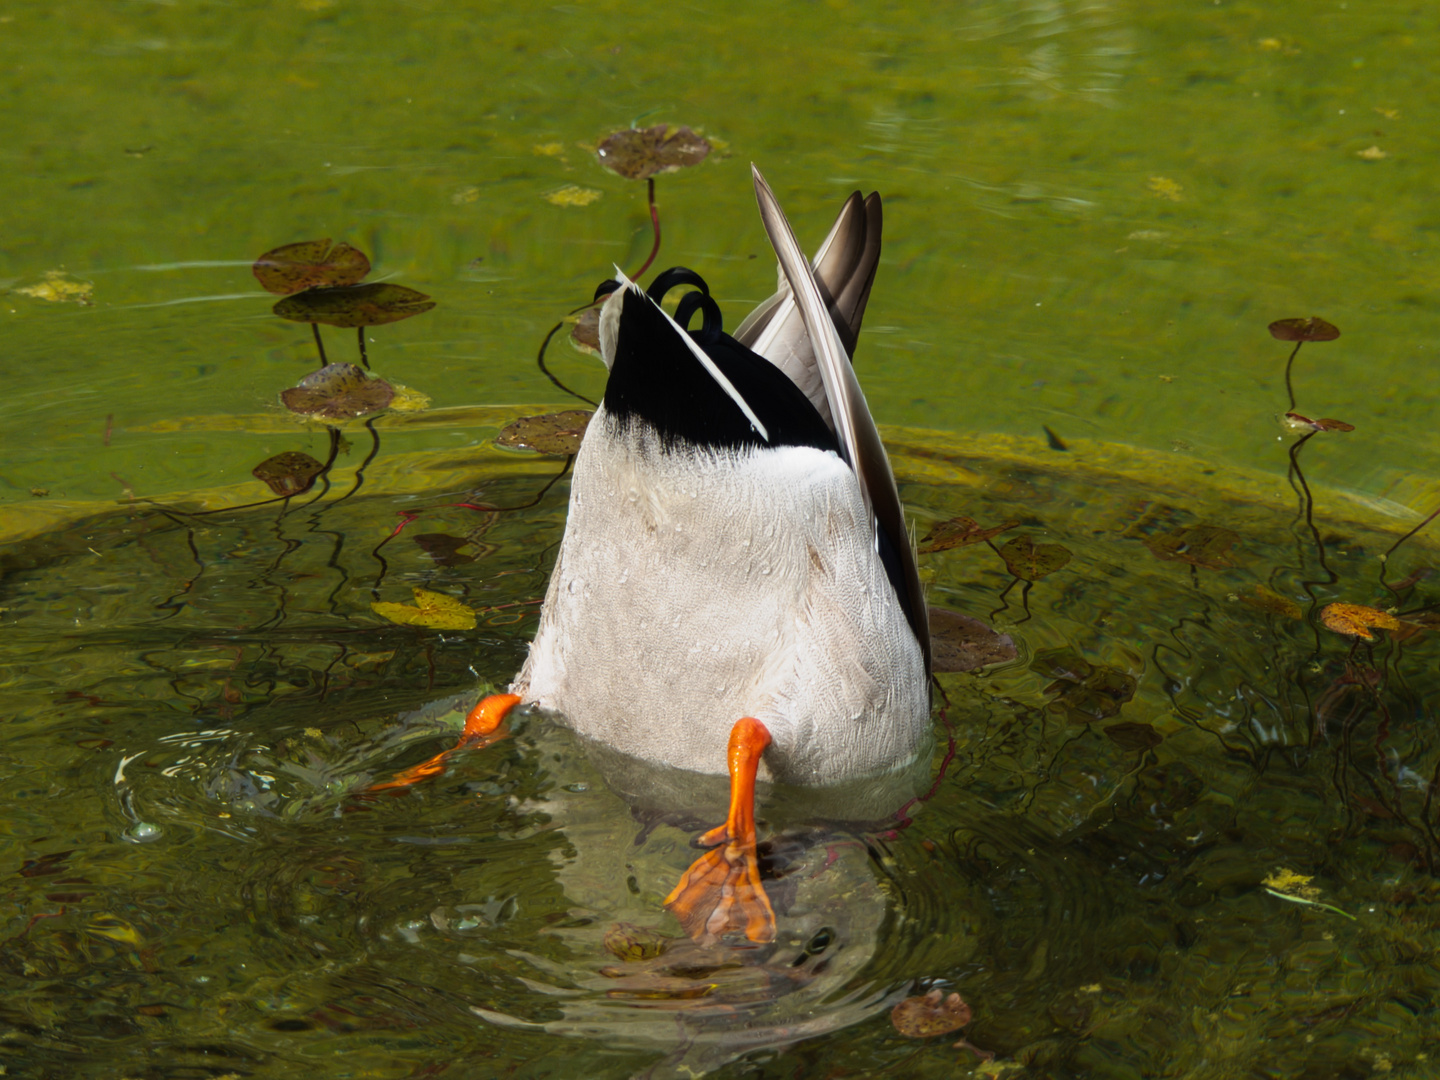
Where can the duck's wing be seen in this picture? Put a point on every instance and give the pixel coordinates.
(844, 271)
(859, 439)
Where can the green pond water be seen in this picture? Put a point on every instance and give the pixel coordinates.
(1092, 212)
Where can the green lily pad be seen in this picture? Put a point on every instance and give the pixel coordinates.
(289, 473)
(338, 392)
(625, 941)
(310, 264)
(1132, 736)
(553, 433)
(638, 153)
(1030, 561)
(959, 532)
(354, 305)
(432, 610)
(1200, 545)
(1311, 329)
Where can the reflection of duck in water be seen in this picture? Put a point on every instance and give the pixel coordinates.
(735, 591)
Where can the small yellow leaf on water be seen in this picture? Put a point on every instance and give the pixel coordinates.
(432, 610)
(1270, 44)
(465, 195)
(408, 399)
(114, 928)
(1389, 114)
(570, 195)
(1164, 187)
(1287, 881)
(58, 288)
(550, 149)
(1371, 153)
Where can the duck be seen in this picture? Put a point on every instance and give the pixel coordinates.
(735, 592)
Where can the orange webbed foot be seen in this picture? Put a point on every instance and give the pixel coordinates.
(483, 726)
(722, 891)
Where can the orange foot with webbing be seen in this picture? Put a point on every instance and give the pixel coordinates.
(484, 725)
(722, 892)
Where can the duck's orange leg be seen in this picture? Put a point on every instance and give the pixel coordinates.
(483, 726)
(722, 891)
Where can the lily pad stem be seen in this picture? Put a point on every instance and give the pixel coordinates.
(363, 358)
(1289, 388)
(655, 223)
(540, 361)
(320, 345)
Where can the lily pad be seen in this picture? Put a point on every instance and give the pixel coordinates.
(1200, 545)
(553, 433)
(625, 941)
(1355, 620)
(1271, 602)
(1323, 424)
(585, 334)
(310, 264)
(638, 153)
(1030, 561)
(289, 473)
(338, 392)
(1084, 692)
(1133, 736)
(1311, 329)
(931, 1014)
(432, 610)
(959, 532)
(354, 305)
(960, 643)
(444, 548)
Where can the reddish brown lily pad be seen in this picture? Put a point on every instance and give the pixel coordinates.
(1311, 329)
(310, 264)
(637, 153)
(1030, 561)
(585, 334)
(1323, 424)
(553, 433)
(355, 305)
(289, 473)
(959, 532)
(930, 1014)
(1355, 620)
(338, 392)
(1200, 545)
(960, 643)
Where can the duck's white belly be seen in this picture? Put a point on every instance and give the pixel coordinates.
(694, 589)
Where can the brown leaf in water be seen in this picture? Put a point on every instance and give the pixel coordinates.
(959, 532)
(1325, 423)
(288, 473)
(553, 433)
(354, 305)
(585, 334)
(310, 264)
(1311, 329)
(931, 1014)
(1134, 737)
(1199, 545)
(1355, 620)
(960, 643)
(432, 610)
(1084, 692)
(1030, 561)
(1271, 602)
(338, 392)
(637, 153)
(625, 941)
(444, 548)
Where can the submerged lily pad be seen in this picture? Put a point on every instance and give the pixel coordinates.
(637, 153)
(553, 433)
(338, 392)
(354, 305)
(959, 532)
(585, 334)
(310, 264)
(1272, 603)
(1132, 736)
(1030, 561)
(1200, 545)
(960, 643)
(289, 473)
(432, 610)
(1355, 620)
(929, 1015)
(1311, 329)
(625, 941)
(444, 548)
(1084, 692)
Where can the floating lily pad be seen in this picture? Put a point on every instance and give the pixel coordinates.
(960, 643)
(1323, 424)
(959, 532)
(930, 1014)
(625, 941)
(354, 305)
(444, 548)
(1030, 561)
(1200, 545)
(289, 473)
(637, 153)
(338, 392)
(310, 264)
(1311, 329)
(553, 433)
(585, 334)
(1134, 737)
(1355, 620)
(432, 610)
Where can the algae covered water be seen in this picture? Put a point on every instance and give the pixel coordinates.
(1186, 829)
